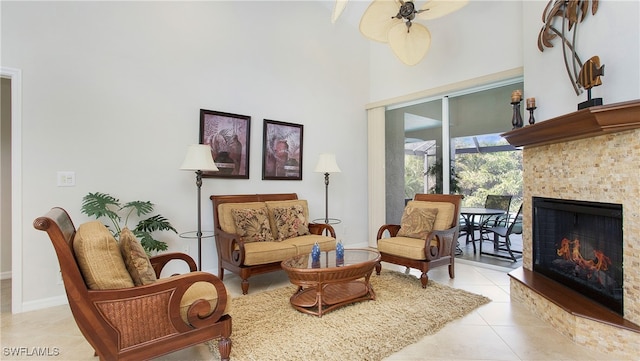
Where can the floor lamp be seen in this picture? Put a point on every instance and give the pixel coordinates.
(199, 159)
(327, 164)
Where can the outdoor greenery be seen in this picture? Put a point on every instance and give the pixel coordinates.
(491, 173)
(435, 172)
(474, 175)
(100, 205)
(413, 175)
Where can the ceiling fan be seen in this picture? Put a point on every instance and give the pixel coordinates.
(392, 21)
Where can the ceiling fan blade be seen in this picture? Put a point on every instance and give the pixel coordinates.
(337, 10)
(379, 18)
(410, 46)
(434, 9)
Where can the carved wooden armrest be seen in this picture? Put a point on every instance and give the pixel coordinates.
(230, 247)
(158, 262)
(319, 228)
(391, 228)
(444, 244)
(159, 301)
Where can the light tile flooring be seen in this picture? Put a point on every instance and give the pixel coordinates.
(500, 330)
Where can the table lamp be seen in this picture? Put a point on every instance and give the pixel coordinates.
(327, 164)
(199, 159)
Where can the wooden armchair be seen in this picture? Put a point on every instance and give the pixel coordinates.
(141, 322)
(429, 237)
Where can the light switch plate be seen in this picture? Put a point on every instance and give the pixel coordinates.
(66, 179)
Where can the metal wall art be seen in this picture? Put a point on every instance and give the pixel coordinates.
(561, 19)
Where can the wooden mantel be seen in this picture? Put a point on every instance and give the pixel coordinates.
(589, 122)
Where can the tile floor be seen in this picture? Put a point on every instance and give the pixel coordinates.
(500, 330)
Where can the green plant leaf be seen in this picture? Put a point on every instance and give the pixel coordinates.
(140, 207)
(150, 244)
(155, 223)
(97, 205)
(104, 205)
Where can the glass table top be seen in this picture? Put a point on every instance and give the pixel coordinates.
(329, 259)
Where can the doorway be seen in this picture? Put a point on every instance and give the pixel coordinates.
(5, 193)
(10, 184)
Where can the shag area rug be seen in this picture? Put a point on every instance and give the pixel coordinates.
(266, 326)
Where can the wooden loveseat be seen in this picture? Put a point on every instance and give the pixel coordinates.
(254, 233)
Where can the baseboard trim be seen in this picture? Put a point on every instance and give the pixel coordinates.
(44, 303)
(5, 275)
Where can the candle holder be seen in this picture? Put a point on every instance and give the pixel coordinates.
(532, 120)
(516, 120)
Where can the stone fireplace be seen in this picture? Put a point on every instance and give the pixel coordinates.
(592, 155)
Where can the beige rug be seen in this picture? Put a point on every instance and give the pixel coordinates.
(266, 327)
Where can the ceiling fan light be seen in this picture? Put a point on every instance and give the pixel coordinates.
(338, 8)
(434, 9)
(378, 19)
(410, 45)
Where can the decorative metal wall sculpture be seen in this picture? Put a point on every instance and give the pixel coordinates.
(570, 14)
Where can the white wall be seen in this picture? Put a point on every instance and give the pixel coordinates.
(112, 91)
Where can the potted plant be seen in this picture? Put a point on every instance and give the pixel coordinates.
(435, 170)
(104, 205)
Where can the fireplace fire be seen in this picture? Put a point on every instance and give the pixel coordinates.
(579, 244)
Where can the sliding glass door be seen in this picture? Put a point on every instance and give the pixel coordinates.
(459, 129)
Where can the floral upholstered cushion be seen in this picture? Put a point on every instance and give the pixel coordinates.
(252, 224)
(417, 222)
(290, 222)
(225, 214)
(136, 259)
(99, 258)
(272, 205)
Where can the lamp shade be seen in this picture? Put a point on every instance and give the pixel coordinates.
(327, 164)
(199, 158)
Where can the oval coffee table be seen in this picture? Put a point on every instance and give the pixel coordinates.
(331, 283)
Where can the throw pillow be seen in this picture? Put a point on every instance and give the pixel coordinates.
(252, 224)
(99, 258)
(271, 205)
(417, 222)
(225, 214)
(136, 259)
(290, 222)
(446, 211)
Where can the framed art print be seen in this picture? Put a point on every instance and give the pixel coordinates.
(228, 137)
(281, 151)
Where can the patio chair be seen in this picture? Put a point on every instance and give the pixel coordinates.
(514, 226)
(502, 202)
